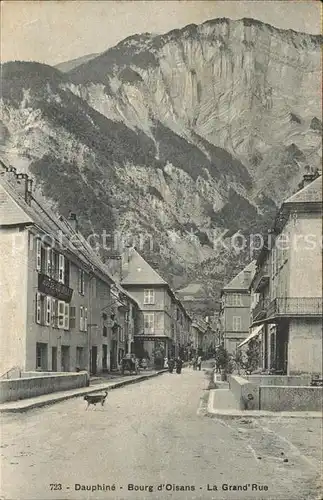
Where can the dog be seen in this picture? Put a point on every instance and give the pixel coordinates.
(93, 399)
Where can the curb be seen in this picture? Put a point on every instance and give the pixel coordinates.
(230, 414)
(82, 391)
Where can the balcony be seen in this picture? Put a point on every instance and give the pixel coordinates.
(259, 312)
(52, 287)
(261, 278)
(295, 307)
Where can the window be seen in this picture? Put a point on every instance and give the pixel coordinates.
(48, 310)
(149, 297)
(61, 268)
(41, 356)
(105, 331)
(72, 316)
(55, 312)
(235, 299)
(66, 316)
(149, 323)
(81, 318)
(38, 255)
(48, 261)
(61, 314)
(236, 323)
(85, 319)
(81, 282)
(39, 308)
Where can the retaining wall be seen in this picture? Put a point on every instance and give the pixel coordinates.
(290, 398)
(285, 380)
(245, 392)
(22, 388)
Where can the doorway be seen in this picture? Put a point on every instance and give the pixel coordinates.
(54, 359)
(94, 354)
(65, 358)
(104, 357)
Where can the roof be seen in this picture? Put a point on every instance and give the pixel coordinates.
(311, 193)
(239, 282)
(10, 212)
(137, 271)
(191, 289)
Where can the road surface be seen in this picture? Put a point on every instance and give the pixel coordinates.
(153, 440)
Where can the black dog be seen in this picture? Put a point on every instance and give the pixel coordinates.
(93, 399)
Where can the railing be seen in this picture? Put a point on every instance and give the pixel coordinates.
(12, 370)
(259, 311)
(295, 306)
(261, 278)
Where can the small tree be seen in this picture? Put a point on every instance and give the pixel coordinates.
(222, 358)
(253, 355)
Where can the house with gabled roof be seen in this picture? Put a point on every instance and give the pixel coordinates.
(165, 325)
(56, 297)
(235, 309)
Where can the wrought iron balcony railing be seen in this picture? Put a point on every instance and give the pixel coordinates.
(261, 278)
(260, 310)
(295, 306)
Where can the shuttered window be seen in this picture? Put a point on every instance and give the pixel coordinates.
(38, 255)
(81, 318)
(85, 319)
(61, 313)
(38, 308)
(61, 268)
(66, 316)
(48, 310)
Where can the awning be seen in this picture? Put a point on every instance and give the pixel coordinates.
(254, 333)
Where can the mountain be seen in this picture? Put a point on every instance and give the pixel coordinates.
(172, 140)
(73, 63)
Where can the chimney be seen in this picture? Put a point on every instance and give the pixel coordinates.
(72, 220)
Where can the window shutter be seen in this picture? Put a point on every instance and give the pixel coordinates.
(61, 268)
(85, 319)
(55, 312)
(48, 309)
(67, 317)
(72, 316)
(81, 318)
(38, 255)
(48, 261)
(38, 308)
(61, 313)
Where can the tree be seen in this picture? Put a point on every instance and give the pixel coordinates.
(253, 355)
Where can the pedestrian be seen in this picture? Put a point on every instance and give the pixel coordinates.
(199, 362)
(166, 362)
(179, 364)
(194, 363)
(171, 364)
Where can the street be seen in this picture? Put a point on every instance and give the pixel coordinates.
(153, 434)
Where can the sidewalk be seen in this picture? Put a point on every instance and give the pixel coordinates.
(223, 404)
(55, 397)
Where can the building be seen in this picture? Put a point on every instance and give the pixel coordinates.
(55, 292)
(287, 313)
(235, 309)
(163, 326)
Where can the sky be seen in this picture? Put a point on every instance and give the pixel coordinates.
(56, 31)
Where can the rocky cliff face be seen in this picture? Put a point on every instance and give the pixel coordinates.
(172, 138)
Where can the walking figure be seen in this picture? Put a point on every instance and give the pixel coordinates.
(199, 362)
(179, 364)
(171, 364)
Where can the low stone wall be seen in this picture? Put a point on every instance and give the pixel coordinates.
(245, 392)
(23, 388)
(285, 380)
(290, 398)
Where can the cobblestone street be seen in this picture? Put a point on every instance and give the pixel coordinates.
(152, 434)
